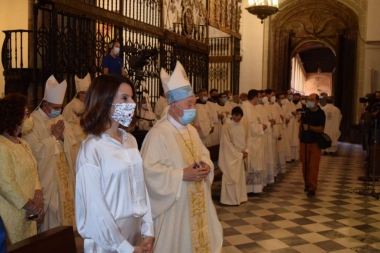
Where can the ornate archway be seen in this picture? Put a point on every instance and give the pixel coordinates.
(330, 22)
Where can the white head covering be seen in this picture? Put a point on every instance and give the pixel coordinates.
(54, 91)
(82, 84)
(176, 86)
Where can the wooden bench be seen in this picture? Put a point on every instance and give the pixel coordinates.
(56, 240)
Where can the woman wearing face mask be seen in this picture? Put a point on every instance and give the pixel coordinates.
(112, 63)
(21, 198)
(112, 206)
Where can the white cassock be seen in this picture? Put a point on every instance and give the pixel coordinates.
(112, 204)
(281, 162)
(185, 219)
(56, 169)
(160, 106)
(293, 128)
(269, 157)
(230, 105)
(286, 138)
(70, 113)
(214, 136)
(333, 118)
(235, 139)
(146, 118)
(256, 168)
(204, 120)
(222, 109)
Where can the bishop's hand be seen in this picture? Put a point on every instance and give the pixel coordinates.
(193, 174)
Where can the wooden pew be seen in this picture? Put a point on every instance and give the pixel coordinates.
(56, 240)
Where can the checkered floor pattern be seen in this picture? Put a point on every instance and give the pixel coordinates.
(283, 219)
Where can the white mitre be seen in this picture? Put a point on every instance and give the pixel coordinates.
(54, 91)
(176, 86)
(82, 84)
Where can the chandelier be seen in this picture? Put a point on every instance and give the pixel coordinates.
(262, 8)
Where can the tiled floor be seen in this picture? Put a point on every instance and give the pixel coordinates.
(283, 219)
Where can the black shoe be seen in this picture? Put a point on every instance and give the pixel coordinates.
(306, 189)
(311, 194)
(325, 153)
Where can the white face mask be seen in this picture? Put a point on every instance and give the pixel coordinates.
(264, 100)
(116, 50)
(283, 101)
(273, 99)
(123, 113)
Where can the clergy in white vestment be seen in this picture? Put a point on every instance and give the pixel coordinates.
(213, 106)
(113, 211)
(178, 174)
(255, 170)
(75, 107)
(53, 145)
(281, 146)
(294, 126)
(333, 118)
(160, 105)
(269, 153)
(203, 118)
(146, 117)
(235, 144)
(285, 106)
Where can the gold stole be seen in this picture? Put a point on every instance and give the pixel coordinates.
(199, 229)
(66, 188)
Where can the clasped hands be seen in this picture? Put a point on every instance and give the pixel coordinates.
(192, 174)
(57, 129)
(36, 207)
(146, 245)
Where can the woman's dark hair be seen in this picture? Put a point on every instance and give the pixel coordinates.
(12, 111)
(95, 118)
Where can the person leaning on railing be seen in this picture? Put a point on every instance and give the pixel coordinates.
(21, 201)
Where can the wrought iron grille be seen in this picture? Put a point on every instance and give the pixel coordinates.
(195, 63)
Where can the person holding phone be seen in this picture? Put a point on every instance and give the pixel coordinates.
(54, 146)
(21, 200)
(112, 205)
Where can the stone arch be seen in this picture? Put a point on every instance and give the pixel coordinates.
(327, 21)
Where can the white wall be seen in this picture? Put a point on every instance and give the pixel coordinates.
(252, 49)
(13, 15)
(373, 20)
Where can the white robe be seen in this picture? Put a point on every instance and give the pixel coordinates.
(43, 145)
(294, 126)
(204, 120)
(112, 205)
(214, 136)
(165, 155)
(160, 106)
(269, 154)
(286, 133)
(70, 113)
(333, 118)
(281, 162)
(255, 171)
(235, 139)
(144, 122)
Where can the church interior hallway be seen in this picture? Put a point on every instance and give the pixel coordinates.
(284, 220)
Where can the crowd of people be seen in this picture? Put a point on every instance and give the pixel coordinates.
(82, 168)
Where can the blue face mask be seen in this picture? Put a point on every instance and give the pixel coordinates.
(310, 104)
(188, 116)
(290, 97)
(224, 100)
(54, 113)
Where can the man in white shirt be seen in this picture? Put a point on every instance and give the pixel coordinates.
(235, 144)
(333, 118)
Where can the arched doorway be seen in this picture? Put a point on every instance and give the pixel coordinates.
(327, 22)
(312, 68)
